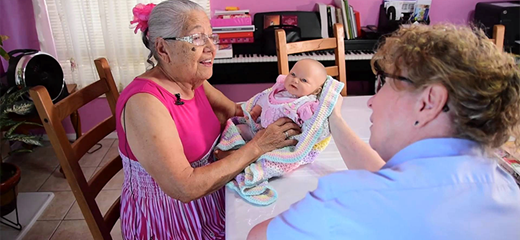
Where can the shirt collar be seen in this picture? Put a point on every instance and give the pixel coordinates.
(434, 147)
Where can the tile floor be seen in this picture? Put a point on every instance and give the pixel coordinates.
(63, 219)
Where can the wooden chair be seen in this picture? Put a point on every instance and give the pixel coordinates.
(499, 32)
(283, 49)
(69, 154)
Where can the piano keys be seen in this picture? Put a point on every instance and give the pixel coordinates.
(327, 55)
(249, 65)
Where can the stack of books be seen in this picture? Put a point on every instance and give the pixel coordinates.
(341, 13)
(233, 26)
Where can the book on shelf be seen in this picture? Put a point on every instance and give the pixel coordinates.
(358, 23)
(235, 35)
(508, 159)
(352, 26)
(237, 40)
(331, 18)
(340, 4)
(235, 12)
(339, 16)
(322, 10)
(224, 51)
(228, 29)
(228, 22)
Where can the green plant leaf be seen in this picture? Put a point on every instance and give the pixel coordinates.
(12, 95)
(20, 108)
(31, 140)
(2, 39)
(4, 54)
(6, 122)
(11, 130)
(21, 150)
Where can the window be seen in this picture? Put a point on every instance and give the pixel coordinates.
(86, 30)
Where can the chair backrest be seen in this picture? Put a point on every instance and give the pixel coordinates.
(69, 154)
(499, 32)
(283, 49)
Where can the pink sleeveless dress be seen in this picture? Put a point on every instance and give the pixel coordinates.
(146, 211)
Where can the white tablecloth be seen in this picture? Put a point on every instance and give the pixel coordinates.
(241, 216)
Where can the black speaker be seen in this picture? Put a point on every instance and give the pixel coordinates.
(29, 68)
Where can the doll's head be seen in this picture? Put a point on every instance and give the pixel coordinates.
(306, 78)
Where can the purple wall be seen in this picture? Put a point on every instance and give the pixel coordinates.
(90, 115)
(456, 11)
(19, 25)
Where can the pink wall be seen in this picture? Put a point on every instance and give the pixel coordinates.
(456, 11)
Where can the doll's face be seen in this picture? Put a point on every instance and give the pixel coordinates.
(305, 78)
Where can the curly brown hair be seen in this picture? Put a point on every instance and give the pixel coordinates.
(483, 82)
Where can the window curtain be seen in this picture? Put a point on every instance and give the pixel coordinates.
(86, 30)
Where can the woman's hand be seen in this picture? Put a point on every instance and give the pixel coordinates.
(276, 135)
(238, 110)
(336, 112)
(255, 112)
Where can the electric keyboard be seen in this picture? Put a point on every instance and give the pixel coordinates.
(249, 65)
(327, 55)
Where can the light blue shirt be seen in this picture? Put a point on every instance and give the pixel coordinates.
(433, 189)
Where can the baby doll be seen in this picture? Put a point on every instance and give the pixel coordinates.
(294, 96)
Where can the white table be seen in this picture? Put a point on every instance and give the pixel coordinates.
(241, 216)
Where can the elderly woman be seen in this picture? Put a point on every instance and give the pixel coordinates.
(450, 96)
(169, 120)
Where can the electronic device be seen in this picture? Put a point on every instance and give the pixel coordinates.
(489, 14)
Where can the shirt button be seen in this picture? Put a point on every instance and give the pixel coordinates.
(212, 234)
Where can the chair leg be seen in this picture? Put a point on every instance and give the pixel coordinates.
(62, 173)
(76, 123)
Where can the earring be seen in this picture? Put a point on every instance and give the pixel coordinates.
(416, 123)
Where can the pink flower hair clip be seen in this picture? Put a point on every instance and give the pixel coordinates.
(141, 15)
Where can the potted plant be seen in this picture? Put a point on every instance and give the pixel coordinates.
(12, 104)
(3, 53)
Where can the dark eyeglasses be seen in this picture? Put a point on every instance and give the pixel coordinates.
(197, 39)
(381, 80)
(381, 77)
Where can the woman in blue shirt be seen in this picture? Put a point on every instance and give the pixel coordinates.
(451, 96)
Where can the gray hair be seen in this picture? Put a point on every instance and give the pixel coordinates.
(167, 20)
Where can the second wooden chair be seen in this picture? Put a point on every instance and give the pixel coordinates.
(69, 154)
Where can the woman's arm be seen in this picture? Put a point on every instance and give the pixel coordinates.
(155, 142)
(355, 153)
(223, 107)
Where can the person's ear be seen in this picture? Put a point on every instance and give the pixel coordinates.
(430, 103)
(161, 48)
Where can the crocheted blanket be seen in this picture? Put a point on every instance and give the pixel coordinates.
(252, 185)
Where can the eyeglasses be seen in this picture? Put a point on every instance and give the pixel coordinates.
(197, 39)
(381, 80)
(381, 77)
